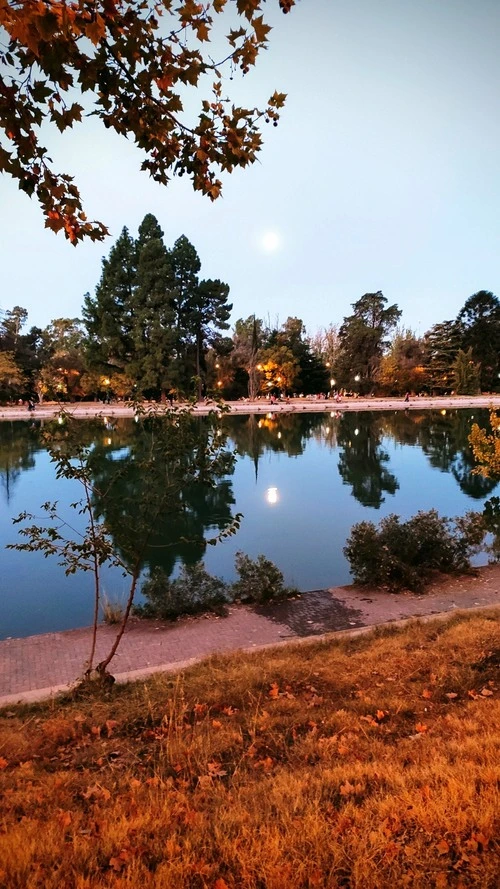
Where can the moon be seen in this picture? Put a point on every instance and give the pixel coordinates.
(270, 241)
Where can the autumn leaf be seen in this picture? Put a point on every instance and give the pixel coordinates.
(347, 789)
(220, 883)
(274, 691)
(215, 770)
(486, 692)
(421, 727)
(427, 694)
(64, 819)
(110, 726)
(451, 695)
(265, 764)
(442, 847)
(3, 762)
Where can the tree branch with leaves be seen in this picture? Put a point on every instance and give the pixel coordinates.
(129, 65)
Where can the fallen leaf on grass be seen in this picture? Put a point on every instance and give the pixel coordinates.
(442, 847)
(3, 762)
(110, 725)
(118, 862)
(215, 770)
(421, 727)
(346, 789)
(97, 792)
(486, 692)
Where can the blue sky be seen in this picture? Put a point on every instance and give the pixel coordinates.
(384, 174)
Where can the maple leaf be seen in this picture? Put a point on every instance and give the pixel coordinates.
(261, 29)
(421, 727)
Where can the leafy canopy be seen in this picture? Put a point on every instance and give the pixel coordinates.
(129, 64)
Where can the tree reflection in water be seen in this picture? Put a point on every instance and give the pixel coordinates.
(363, 461)
(192, 510)
(19, 442)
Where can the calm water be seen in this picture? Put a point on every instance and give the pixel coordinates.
(301, 482)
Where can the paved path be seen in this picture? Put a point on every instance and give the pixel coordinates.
(38, 666)
(295, 405)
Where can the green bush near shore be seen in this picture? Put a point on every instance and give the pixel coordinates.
(195, 590)
(405, 555)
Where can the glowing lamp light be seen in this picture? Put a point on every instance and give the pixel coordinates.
(357, 378)
(219, 383)
(60, 420)
(272, 496)
(279, 434)
(332, 383)
(356, 432)
(443, 412)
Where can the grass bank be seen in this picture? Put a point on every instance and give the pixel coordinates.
(354, 764)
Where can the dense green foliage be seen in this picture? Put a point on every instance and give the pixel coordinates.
(195, 590)
(406, 555)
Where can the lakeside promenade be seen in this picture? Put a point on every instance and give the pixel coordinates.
(310, 404)
(38, 667)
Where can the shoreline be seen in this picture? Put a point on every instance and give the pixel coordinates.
(42, 665)
(308, 404)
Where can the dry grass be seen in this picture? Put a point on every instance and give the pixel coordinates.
(365, 763)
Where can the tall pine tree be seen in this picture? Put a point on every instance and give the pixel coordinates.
(108, 314)
(153, 332)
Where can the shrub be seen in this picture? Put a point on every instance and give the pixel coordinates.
(260, 580)
(192, 592)
(401, 555)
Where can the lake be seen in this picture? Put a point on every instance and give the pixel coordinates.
(300, 481)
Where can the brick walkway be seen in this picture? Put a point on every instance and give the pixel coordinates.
(38, 666)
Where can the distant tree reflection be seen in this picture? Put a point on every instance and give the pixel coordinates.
(363, 461)
(19, 442)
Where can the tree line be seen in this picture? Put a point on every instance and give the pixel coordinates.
(155, 329)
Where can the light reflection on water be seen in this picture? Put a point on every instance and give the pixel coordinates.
(301, 482)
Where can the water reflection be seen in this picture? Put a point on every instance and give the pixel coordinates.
(320, 472)
(363, 461)
(19, 442)
(123, 499)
